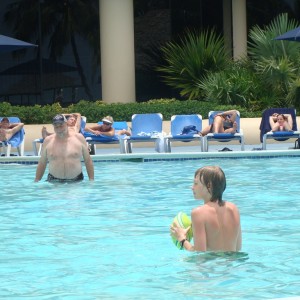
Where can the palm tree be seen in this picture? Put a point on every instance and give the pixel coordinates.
(61, 21)
(188, 61)
(276, 61)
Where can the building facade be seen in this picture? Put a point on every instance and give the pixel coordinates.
(128, 29)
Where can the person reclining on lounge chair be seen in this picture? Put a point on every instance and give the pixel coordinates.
(73, 122)
(106, 128)
(223, 123)
(281, 122)
(7, 129)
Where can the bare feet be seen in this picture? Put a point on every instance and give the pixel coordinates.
(45, 133)
(124, 131)
(234, 127)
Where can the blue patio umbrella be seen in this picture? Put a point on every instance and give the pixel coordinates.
(292, 35)
(8, 44)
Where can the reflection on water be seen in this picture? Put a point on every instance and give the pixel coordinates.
(110, 238)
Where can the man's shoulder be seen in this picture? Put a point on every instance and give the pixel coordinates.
(78, 136)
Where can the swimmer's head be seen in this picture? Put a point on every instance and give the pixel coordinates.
(59, 119)
(214, 179)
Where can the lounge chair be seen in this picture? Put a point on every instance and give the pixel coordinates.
(16, 141)
(224, 137)
(265, 127)
(94, 140)
(40, 141)
(146, 128)
(184, 128)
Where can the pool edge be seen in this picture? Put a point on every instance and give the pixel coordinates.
(145, 157)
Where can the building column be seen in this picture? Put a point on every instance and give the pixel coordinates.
(239, 29)
(117, 51)
(227, 26)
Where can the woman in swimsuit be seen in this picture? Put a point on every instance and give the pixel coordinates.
(281, 122)
(223, 123)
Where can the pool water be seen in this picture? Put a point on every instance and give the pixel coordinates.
(109, 239)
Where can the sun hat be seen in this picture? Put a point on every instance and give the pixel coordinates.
(108, 119)
(59, 119)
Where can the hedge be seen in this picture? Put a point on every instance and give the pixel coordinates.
(95, 111)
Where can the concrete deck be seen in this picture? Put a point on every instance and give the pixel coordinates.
(250, 128)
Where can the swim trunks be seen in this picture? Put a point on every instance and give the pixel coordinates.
(51, 178)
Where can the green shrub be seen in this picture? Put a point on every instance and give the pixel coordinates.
(95, 111)
(189, 60)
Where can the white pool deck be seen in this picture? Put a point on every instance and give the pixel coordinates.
(187, 151)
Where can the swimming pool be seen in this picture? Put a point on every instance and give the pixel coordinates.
(109, 239)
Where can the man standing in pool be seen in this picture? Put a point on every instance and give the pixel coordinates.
(216, 224)
(64, 152)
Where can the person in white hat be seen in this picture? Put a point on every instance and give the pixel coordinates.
(104, 129)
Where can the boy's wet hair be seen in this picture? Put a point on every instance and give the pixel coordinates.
(214, 179)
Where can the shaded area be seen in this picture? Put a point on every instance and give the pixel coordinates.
(33, 67)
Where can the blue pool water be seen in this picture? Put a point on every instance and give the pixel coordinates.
(109, 239)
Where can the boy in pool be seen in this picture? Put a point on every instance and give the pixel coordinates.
(216, 224)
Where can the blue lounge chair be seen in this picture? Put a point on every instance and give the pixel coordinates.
(146, 128)
(40, 141)
(224, 137)
(265, 127)
(93, 139)
(16, 141)
(184, 128)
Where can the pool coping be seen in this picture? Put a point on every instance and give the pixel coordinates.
(146, 157)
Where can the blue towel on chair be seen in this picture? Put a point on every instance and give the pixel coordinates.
(16, 139)
(101, 138)
(265, 121)
(190, 129)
